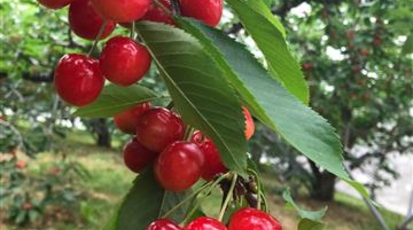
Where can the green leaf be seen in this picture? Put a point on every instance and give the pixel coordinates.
(146, 202)
(115, 99)
(305, 214)
(307, 224)
(408, 45)
(199, 90)
(269, 35)
(271, 103)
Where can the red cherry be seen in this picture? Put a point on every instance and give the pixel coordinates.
(204, 222)
(136, 157)
(307, 67)
(351, 34)
(249, 218)
(127, 120)
(121, 10)
(78, 79)
(157, 14)
(20, 164)
(54, 4)
(249, 123)
(163, 224)
(27, 206)
(124, 61)
(213, 163)
(208, 11)
(179, 166)
(159, 127)
(364, 52)
(85, 22)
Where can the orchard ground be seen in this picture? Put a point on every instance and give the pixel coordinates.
(110, 180)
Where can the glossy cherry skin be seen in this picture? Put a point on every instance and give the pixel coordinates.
(121, 10)
(249, 218)
(158, 127)
(208, 11)
(205, 223)
(78, 79)
(179, 166)
(163, 224)
(157, 14)
(54, 4)
(85, 22)
(124, 61)
(249, 123)
(213, 163)
(127, 120)
(136, 157)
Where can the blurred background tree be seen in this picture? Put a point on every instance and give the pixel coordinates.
(356, 56)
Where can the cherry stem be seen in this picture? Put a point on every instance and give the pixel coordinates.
(176, 8)
(214, 184)
(160, 5)
(188, 133)
(186, 199)
(170, 105)
(257, 179)
(100, 33)
(132, 31)
(228, 198)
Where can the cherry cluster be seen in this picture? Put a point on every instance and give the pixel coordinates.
(179, 155)
(79, 78)
(160, 138)
(243, 219)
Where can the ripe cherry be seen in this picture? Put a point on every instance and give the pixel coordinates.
(54, 4)
(136, 157)
(208, 11)
(78, 79)
(159, 127)
(213, 163)
(163, 224)
(364, 52)
(21, 164)
(307, 66)
(250, 218)
(249, 123)
(85, 22)
(27, 206)
(124, 61)
(157, 14)
(204, 222)
(121, 11)
(127, 120)
(179, 166)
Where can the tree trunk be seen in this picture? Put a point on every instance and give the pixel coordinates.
(101, 129)
(323, 186)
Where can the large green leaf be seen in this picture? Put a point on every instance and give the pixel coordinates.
(269, 35)
(114, 99)
(305, 214)
(146, 202)
(271, 103)
(200, 92)
(307, 224)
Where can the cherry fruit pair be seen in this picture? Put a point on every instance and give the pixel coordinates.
(243, 219)
(200, 223)
(79, 79)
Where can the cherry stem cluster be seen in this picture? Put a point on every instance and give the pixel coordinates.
(228, 198)
(100, 33)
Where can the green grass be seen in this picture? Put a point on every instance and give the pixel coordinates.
(109, 181)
